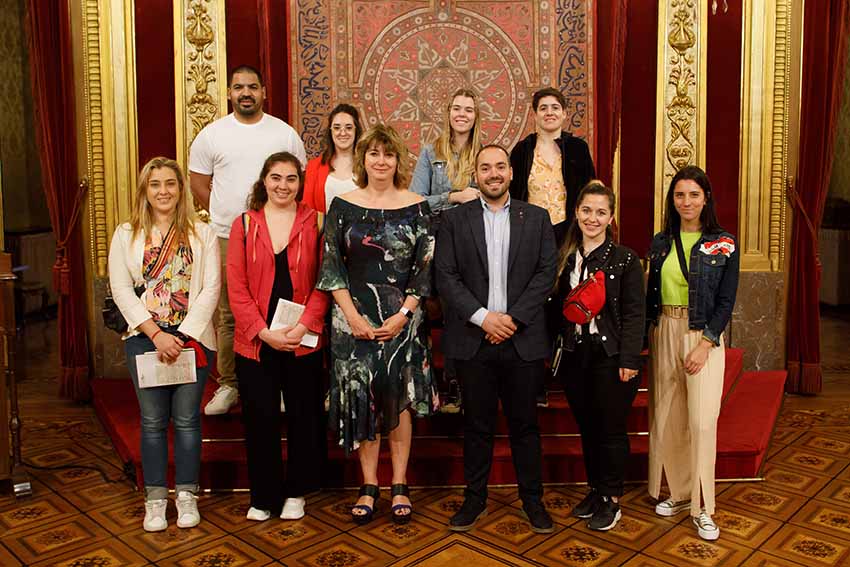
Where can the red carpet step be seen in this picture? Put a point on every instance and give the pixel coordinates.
(751, 404)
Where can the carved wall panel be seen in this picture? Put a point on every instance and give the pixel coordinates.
(201, 72)
(398, 62)
(681, 92)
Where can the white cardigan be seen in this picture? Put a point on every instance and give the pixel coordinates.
(125, 272)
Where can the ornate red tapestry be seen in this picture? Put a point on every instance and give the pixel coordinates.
(399, 61)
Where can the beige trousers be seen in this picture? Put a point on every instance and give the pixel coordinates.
(224, 330)
(683, 412)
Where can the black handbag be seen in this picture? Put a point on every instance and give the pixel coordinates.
(112, 318)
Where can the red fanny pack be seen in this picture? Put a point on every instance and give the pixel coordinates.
(586, 300)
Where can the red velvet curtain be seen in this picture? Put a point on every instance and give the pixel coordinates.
(610, 31)
(274, 60)
(824, 53)
(637, 129)
(263, 32)
(52, 71)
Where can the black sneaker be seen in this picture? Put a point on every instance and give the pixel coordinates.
(587, 507)
(606, 516)
(539, 518)
(543, 399)
(469, 513)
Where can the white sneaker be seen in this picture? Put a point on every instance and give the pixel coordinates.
(293, 509)
(225, 397)
(706, 527)
(670, 507)
(257, 515)
(282, 406)
(155, 515)
(187, 510)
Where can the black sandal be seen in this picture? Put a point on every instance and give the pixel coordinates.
(401, 518)
(366, 490)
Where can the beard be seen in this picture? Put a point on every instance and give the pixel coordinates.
(494, 192)
(249, 111)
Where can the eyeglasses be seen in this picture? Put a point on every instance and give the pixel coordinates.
(336, 128)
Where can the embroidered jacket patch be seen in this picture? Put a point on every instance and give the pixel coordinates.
(723, 245)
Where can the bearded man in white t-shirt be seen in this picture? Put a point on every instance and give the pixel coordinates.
(225, 160)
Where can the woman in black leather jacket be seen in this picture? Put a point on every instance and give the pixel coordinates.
(693, 279)
(603, 356)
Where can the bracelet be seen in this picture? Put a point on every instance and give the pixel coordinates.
(158, 331)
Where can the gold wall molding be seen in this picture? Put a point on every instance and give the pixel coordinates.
(105, 73)
(109, 120)
(768, 122)
(681, 88)
(95, 147)
(200, 69)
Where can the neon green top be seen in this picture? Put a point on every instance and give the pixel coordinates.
(674, 288)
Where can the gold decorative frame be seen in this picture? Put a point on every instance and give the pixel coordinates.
(109, 125)
(768, 123)
(200, 73)
(681, 91)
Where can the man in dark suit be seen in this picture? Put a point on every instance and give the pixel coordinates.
(496, 263)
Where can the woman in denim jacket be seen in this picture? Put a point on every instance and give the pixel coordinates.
(687, 356)
(444, 176)
(443, 173)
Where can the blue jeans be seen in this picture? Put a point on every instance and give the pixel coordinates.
(158, 406)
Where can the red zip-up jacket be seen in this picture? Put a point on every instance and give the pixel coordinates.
(314, 183)
(250, 276)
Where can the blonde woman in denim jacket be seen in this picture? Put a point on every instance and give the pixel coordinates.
(444, 171)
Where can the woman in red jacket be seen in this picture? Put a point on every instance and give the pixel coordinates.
(275, 254)
(331, 174)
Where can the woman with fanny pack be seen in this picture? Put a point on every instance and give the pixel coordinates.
(693, 279)
(173, 259)
(600, 285)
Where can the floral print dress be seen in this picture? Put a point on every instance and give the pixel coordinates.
(380, 256)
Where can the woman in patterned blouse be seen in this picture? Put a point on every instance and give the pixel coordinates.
(165, 278)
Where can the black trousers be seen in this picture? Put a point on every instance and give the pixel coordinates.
(497, 372)
(600, 403)
(260, 386)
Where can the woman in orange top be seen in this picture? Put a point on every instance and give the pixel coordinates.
(331, 174)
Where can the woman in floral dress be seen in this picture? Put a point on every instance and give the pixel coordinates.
(377, 262)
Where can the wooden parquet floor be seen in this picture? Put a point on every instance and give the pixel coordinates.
(91, 517)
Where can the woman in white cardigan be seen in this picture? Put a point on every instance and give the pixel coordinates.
(164, 273)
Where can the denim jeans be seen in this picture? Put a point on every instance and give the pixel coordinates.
(158, 406)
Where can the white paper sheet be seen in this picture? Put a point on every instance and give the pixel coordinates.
(153, 373)
(286, 315)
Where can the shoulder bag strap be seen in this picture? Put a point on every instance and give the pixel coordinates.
(680, 252)
(164, 255)
(245, 223)
(585, 328)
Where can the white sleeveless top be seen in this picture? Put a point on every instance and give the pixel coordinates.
(335, 187)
